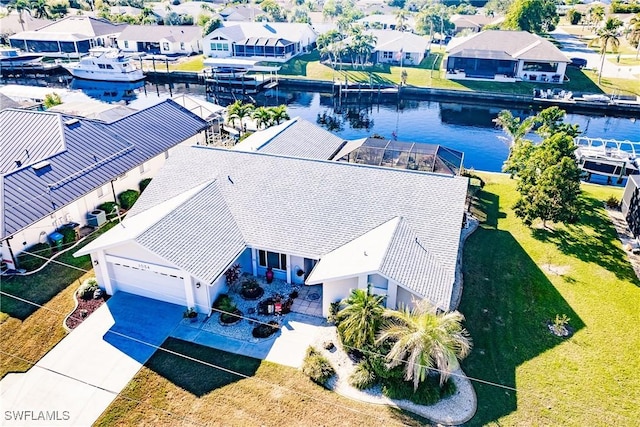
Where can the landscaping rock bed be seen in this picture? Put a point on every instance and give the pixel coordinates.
(83, 310)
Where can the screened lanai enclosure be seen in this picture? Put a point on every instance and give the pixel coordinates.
(405, 155)
(267, 47)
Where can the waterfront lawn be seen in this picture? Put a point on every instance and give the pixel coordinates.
(193, 63)
(173, 390)
(614, 85)
(516, 280)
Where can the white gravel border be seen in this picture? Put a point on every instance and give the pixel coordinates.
(454, 410)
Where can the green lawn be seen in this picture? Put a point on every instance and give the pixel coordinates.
(509, 296)
(28, 331)
(274, 395)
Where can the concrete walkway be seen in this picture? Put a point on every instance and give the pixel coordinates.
(80, 377)
(286, 347)
(574, 48)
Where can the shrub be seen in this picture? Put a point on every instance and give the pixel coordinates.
(128, 198)
(143, 184)
(68, 235)
(250, 284)
(612, 202)
(88, 288)
(317, 367)
(428, 392)
(334, 308)
(363, 377)
(574, 16)
(265, 330)
(30, 262)
(109, 208)
(224, 303)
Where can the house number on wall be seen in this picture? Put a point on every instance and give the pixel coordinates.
(144, 267)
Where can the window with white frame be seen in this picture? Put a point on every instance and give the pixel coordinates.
(387, 55)
(220, 46)
(275, 260)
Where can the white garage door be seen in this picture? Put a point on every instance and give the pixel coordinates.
(150, 284)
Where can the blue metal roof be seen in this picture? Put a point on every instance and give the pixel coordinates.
(94, 153)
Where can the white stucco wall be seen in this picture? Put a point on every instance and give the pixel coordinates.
(335, 291)
(405, 298)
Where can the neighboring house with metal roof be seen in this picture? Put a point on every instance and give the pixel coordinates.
(69, 37)
(343, 225)
(272, 41)
(55, 169)
(161, 39)
(296, 137)
(505, 56)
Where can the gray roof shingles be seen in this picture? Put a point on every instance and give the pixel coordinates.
(311, 207)
(95, 153)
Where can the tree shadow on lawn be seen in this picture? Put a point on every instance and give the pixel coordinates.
(486, 207)
(195, 377)
(508, 302)
(593, 240)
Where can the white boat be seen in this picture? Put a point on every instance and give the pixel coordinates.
(607, 161)
(12, 57)
(105, 64)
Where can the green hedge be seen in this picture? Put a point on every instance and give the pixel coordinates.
(68, 235)
(128, 198)
(143, 184)
(30, 262)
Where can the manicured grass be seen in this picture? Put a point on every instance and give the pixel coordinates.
(588, 379)
(28, 331)
(193, 63)
(628, 61)
(613, 85)
(197, 394)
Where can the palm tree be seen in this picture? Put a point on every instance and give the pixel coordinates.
(19, 6)
(608, 34)
(360, 319)
(516, 128)
(262, 116)
(634, 33)
(239, 111)
(425, 339)
(279, 114)
(40, 9)
(401, 18)
(596, 15)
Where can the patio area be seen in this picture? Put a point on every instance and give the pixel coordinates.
(297, 329)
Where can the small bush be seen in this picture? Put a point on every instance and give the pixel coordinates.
(224, 303)
(317, 367)
(143, 184)
(128, 198)
(612, 202)
(88, 288)
(109, 208)
(363, 377)
(334, 308)
(265, 330)
(428, 392)
(30, 262)
(68, 235)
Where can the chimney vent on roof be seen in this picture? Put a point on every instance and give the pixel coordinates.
(71, 122)
(41, 165)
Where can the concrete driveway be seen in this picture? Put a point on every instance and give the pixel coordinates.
(80, 377)
(574, 48)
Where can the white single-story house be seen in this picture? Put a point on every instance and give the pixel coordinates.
(240, 13)
(473, 23)
(56, 169)
(387, 22)
(69, 37)
(273, 41)
(296, 137)
(399, 47)
(161, 39)
(506, 56)
(344, 225)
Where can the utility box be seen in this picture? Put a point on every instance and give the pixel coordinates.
(56, 240)
(96, 218)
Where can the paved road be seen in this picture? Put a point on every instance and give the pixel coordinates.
(574, 48)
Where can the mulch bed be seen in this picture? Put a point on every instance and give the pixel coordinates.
(84, 309)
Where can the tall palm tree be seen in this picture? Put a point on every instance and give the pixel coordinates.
(425, 339)
(262, 116)
(514, 127)
(279, 113)
(401, 19)
(634, 33)
(19, 6)
(608, 34)
(40, 9)
(360, 318)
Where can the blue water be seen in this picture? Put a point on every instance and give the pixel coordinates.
(465, 127)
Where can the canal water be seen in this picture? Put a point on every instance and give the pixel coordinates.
(461, 126)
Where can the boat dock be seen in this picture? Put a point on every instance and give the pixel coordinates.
(607, 157)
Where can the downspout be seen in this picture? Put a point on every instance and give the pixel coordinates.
(13, 258)
(113, 191)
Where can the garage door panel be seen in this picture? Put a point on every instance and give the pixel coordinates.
(147, 283)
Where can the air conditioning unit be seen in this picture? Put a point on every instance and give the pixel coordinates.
(96, 218)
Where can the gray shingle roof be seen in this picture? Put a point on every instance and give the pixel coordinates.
(216, 237)
(312, 207)
(95, 152)
(297, 138)
(153, 33)
(515, 44)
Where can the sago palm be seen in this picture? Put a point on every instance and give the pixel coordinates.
(360, 318)
(424, 339)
